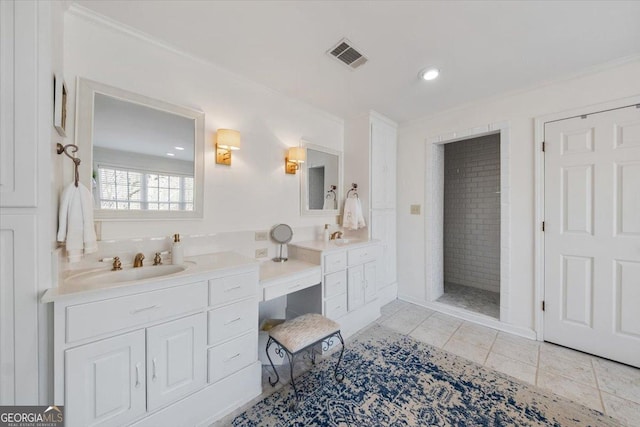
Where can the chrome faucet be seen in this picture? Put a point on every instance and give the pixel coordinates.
(336, 235)
(137, 262)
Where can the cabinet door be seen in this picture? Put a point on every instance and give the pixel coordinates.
(383, 227)
(383, 165)
(105, 381)
(355, 288)
(176, 359)
(370, 285)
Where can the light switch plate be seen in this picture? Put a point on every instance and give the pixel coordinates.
(260, 236)
(262, 253)
(415, 209)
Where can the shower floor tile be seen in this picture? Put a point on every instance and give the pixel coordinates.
(472, 299)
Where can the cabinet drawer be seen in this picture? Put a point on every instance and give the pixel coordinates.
(362, 255)
(96, 318)
(335, 262)
(232, 288)
(336, 307)
(232, 320)
(296, 283)
(227, 358)
(335, 283)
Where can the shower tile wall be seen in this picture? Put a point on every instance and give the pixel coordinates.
(472, 213)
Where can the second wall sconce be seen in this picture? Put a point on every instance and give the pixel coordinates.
(295, 156)
(226, 141)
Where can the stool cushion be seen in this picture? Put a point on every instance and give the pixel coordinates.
(298, 333)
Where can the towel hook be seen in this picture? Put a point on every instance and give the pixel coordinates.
(76, 161)
(354, 188)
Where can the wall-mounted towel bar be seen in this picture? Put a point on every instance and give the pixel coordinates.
(331, 193)
(354, 188)
(76, 161)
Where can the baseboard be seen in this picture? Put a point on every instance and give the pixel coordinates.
(211, 403)
(388, 293)
(472, 317)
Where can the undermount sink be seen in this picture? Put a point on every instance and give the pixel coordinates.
(128, 274)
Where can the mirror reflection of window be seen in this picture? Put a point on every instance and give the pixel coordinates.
(316, 186)
(143, 158)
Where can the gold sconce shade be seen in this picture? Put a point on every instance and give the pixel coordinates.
(295, 156)
(226, 141)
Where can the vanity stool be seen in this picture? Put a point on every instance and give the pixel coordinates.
(302, 333)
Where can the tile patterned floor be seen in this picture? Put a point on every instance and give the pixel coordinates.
(600, 384)
(470, 298)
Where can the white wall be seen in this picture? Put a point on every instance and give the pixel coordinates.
(519, 109)
(254, 193)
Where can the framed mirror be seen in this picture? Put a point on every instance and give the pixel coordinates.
(142, 158)
(320, 181)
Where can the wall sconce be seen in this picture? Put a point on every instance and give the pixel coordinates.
(295, 156)
(226, 141)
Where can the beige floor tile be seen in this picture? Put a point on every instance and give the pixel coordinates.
(578, 392)
(406, 320)
(574, 370)
(565, 353)
(622, 409)
(466, 349)
(515, 368)
(618, 379)
(477, 335)
(430, 335)
(517, 348)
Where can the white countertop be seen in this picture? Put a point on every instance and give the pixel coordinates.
(273, 271)
(319, 245)
(198, 268)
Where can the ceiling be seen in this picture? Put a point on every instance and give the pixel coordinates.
(482, 48)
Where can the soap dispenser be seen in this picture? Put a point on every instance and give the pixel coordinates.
(326, 233)
(177, 251)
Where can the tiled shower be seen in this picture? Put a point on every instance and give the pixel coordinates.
(472, 224)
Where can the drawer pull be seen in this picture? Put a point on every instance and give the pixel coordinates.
(140, 310)
(337, 307)
(235, 288)
(232, 357)
(137, 375)
(295, 286)
(154, 376)
(233, 321)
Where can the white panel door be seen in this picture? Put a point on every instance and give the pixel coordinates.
(176, 359)
(383, 227)
(105, 382)
(383, 165)
(592, 234)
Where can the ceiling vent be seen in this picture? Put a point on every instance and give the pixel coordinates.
(347, 54)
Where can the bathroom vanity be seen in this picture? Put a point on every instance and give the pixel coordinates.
(349, 281)
(177, 349)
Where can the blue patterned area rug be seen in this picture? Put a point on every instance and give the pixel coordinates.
(393, 380)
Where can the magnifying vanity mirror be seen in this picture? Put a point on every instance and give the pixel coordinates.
(320, 181)
(281, 234)
(146, 156)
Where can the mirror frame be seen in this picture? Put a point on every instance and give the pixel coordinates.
(304, 182)
(85, 94)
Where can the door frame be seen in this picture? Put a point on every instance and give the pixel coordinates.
(435, 224)
(539, 253)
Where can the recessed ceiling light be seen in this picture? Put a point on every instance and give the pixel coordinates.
(179, 148)
(430, 74)
(170, 154)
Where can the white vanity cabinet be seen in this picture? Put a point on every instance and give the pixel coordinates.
(179, 351)
(349, 280)
(374, 137)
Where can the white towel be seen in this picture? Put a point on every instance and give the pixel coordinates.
(329, 203)
(75, 222)
(352, 217)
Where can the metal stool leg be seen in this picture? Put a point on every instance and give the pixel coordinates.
(338, 375)
(273, 383)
